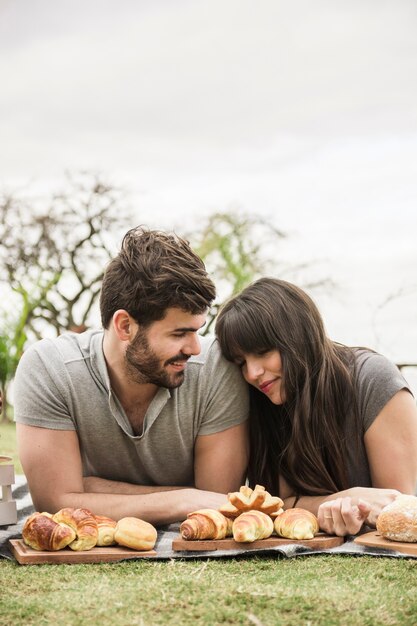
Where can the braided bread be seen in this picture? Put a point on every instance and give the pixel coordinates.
(247, 499)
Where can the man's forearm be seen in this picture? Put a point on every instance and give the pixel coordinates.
(156, 508)
(94, 484)
(159, 508)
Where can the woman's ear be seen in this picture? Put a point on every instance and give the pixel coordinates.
(124, 325)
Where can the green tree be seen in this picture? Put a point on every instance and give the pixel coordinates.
(4, 375)
(11, 347)
(238, 248)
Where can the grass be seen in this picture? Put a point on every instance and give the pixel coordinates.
(321, 590)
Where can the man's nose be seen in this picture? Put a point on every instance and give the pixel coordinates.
(192, 345)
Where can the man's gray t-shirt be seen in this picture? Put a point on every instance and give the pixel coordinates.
(63, 384)
(377, 381)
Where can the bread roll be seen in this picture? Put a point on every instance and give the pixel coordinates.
(83, 522)
(106, 527)
(135, 533)
(251, 526)
(398, 520)
(41, 532)
(296, 523)
(205, 524)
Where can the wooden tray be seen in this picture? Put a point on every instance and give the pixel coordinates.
(374, 540)
(27, 556)
(320, 541)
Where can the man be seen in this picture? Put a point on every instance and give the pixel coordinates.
(144, 418)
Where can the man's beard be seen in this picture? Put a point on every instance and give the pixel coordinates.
(143, 365)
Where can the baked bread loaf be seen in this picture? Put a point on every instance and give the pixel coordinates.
(251, 526)
(135, 533)
(83, 522)
(296, 524)
(41, 532)
(106, 527)
(247, 499)
(398, 520)
(206, 524)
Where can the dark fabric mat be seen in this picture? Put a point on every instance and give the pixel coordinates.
(167, 534)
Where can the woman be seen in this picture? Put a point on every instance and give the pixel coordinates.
(333, 428)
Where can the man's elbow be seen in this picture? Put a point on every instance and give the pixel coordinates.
(53, 502)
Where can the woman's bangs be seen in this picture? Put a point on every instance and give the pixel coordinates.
(240, 334)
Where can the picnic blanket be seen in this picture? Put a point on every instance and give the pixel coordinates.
(166, 535)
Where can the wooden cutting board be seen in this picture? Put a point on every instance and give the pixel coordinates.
(27, 556)
(374, 540)
(320, 542)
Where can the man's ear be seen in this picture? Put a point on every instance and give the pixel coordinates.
(124, 325)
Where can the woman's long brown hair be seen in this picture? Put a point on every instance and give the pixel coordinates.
(303, 440)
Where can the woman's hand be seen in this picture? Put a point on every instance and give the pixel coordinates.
(359, 505)
(342, 517)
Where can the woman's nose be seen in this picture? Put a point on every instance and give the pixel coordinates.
(254, 369)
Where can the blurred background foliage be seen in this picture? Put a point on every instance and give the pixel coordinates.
(55, 249)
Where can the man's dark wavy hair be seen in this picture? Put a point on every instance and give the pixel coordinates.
(154, 271)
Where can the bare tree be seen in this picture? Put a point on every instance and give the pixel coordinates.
(54, 251)
(52, 256)
(402, 292)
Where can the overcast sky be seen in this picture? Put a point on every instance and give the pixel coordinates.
(303, 111)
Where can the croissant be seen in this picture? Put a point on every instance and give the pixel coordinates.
(41, 532)
(83, 522)
(247, 499)
(398, 520)
(106, 527)
(135, 533)
(206, 524)
(252, 525)
(296, 524)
